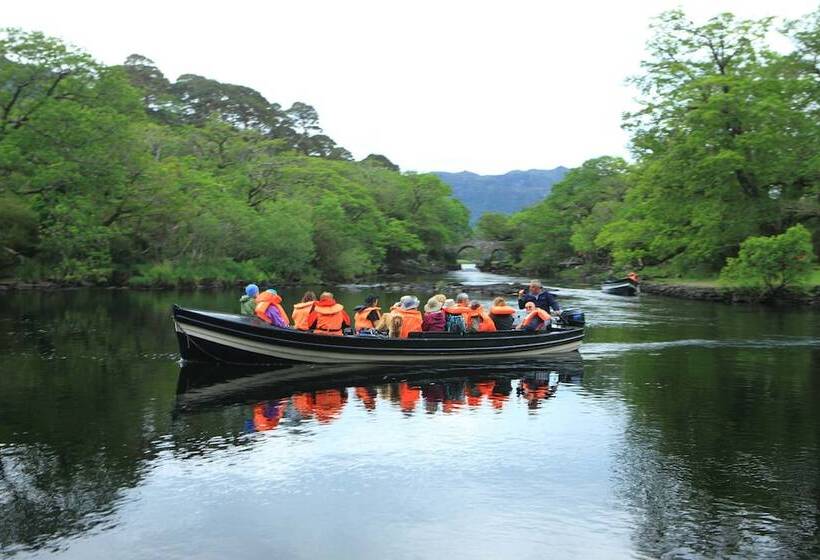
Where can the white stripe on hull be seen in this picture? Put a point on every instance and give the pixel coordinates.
(335, 357)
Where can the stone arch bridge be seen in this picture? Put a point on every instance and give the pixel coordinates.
(489, 250)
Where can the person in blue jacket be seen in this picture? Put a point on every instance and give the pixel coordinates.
(539, 296)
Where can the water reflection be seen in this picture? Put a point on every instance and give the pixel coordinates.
(290, 395)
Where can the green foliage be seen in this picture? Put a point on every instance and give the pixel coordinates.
(562, 225)
(494, 226)
(115, 174)
(725, 143)
(774, 263)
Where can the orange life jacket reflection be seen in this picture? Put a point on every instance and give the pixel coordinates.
(266, 416)
(408, 397)
(540, 314)
(411, 321)
(301, 311)
(362, 322)
(328, 317)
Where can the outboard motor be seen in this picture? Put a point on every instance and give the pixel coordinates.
(572, 317)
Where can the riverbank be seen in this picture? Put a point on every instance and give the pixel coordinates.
(710, 291)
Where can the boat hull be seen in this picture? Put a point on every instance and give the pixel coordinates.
(621, 288)
(216, 337)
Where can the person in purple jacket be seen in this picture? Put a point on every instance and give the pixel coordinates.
(434, 318)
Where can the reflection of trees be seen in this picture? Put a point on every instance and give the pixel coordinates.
(78, 411)
(720, 455)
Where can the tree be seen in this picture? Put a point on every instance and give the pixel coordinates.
(494, 227)
(378, 160)
(726, 142)
(772, 263)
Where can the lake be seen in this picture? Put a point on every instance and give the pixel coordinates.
(682, 430)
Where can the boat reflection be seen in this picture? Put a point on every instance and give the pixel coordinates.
(296, 393)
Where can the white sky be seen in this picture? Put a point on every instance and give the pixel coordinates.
(433, 85)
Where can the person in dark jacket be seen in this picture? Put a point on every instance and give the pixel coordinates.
(539, 296)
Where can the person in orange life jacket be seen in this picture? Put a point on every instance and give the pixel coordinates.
(434, 318)
(328, 317)
(502, 314)
(247, 303)
(540, 297)
(456, 313)
(367, 316)
(478, 320)
(302, 310)
(536, 320)
(453, 323)
(410, 316)
(269, 309)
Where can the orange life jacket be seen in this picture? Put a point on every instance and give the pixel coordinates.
(456, 310)
(362, 322)
(328, 317)
(502, 310)
(485, 322)
(301, 311)
(266, 299)
(411, 321)
(541, 314)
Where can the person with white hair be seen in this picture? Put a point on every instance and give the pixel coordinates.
(408, 310)
(539, 296)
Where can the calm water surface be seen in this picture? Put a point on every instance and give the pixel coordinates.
(682, 430)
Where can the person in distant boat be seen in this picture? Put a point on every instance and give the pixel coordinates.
(633, 277)
(269, 309)
(502, 314)
(367, 316)
(454, 323)
(247, 303)
(536, 320)
(410, 316)
(434, 318)
(328, 317)
(539, 296)
(479, 320)
(301, 310)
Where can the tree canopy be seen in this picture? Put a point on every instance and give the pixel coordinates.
(116, 174)
(726, 143)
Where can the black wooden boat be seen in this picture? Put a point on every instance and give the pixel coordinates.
(622, 287)
(206, 336)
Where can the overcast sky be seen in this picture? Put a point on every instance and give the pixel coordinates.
(434, 85)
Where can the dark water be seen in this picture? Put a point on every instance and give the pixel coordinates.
(682, 430)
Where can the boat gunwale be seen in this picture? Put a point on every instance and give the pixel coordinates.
(362, 345)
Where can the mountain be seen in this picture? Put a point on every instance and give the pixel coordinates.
(506, 193)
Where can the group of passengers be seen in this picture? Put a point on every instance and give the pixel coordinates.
(324, 315)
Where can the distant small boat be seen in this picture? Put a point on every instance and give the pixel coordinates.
(233, 339)
(623, 287)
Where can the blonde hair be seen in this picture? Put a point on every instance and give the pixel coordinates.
(395, 326)
(499, 301)
(440, 298)
(326, 295)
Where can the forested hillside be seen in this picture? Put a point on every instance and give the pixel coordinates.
(501, 193)
(726, 145)
(119, 175)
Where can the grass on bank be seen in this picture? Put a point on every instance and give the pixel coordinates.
(713, 281)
